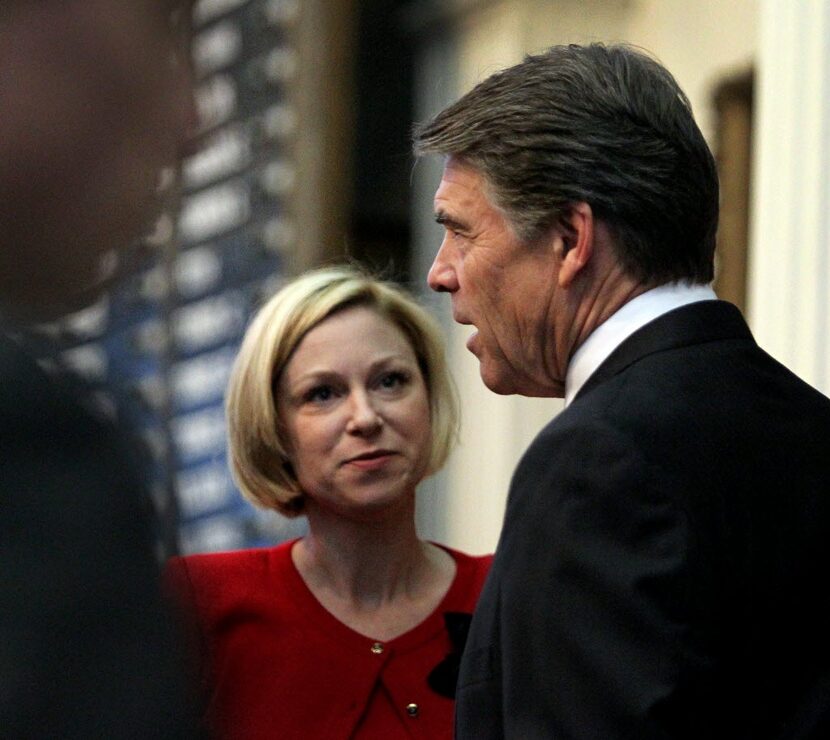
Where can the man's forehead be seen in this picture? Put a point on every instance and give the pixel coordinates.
(459, 168)
(462, 186)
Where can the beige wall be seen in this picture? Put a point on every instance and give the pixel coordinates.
(789, 285)
(700, 42)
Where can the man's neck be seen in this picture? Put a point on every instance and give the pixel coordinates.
(632, 315)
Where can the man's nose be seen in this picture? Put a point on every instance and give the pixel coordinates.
(441, 276)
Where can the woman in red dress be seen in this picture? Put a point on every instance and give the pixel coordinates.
(339, 404)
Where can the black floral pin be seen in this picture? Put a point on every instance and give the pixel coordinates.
(443, 678)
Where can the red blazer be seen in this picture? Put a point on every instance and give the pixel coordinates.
(275, 664)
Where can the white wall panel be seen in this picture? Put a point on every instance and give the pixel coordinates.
(789, 297)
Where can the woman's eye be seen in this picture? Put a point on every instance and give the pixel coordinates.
(393, 380)
(320, 394)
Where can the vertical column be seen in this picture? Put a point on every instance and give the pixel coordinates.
(789, 270)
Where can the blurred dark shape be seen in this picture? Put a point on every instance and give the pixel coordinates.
(97, 103)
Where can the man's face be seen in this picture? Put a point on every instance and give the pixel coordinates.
(97, 100)
(506, 289)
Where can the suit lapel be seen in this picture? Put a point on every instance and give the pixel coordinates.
(705, 321)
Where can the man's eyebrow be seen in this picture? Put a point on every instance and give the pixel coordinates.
(443, 218)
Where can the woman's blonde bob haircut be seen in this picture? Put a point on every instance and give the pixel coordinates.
(257, 448)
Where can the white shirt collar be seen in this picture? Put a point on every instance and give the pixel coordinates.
(633, 315)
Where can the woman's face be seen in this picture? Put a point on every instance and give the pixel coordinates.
(356, 414)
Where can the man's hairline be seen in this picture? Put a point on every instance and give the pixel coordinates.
(489, 191)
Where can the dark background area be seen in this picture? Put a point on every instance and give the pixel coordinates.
(381, 195)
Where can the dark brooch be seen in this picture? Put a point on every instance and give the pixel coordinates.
(443, 678)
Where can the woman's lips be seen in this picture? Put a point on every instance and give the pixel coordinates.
(371, 460)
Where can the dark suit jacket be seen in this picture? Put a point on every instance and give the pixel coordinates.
(664, 567)
(85, 648)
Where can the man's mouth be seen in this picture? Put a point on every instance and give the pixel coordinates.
(459, 319)
(472, 340)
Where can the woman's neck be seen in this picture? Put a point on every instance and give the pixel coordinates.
(373, 575)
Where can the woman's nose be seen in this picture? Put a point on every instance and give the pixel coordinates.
(364, 418)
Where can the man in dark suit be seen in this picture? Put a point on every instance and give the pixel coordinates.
(662, 570)
(96, 100)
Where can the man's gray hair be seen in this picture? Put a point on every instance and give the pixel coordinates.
(605, 125)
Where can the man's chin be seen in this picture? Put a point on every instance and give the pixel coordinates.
(505, 383)
(496, 379)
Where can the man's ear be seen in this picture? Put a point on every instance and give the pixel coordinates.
(575, 234)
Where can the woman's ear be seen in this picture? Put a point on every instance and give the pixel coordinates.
(575, 236)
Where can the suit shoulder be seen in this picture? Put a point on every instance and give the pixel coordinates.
(584, 428)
